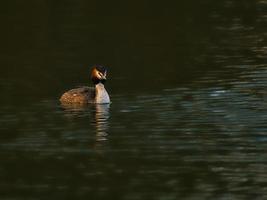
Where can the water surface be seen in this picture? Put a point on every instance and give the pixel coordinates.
(189, 103)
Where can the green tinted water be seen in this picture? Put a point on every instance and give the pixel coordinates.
(188, 115)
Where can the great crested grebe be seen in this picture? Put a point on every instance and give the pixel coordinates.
(85, 94)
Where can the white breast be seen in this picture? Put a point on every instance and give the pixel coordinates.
(101, 94)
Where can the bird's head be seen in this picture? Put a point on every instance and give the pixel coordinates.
(99, 74)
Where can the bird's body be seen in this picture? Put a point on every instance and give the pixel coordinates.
(85, 94)
(80, 95)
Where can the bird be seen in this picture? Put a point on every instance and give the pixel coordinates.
(86, 95)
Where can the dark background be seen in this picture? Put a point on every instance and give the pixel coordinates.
(187, 81)
(48, 46)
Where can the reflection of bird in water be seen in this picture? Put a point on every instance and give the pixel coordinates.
(101, 121)
(98, 112)
(84, 94)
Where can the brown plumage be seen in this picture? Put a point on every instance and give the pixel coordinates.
(84, 94)
(81, 95)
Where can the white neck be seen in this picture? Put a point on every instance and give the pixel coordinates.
(101, 94)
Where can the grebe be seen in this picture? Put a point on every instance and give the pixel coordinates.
(84, 94)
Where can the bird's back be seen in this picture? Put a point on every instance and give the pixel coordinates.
(80, 95)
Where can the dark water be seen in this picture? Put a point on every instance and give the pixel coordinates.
(189, 102)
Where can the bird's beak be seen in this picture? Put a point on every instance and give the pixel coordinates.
(104, 76)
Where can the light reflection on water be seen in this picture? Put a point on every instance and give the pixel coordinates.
(99, 115)
(101, 121)
(204, 139)
(208, 137)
